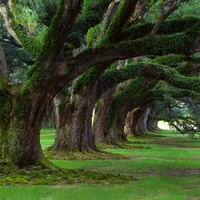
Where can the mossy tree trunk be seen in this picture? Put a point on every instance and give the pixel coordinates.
(122, 103)
(20, 121)
(22, 129)
(115, 133)
(120, 125)
(74, 127)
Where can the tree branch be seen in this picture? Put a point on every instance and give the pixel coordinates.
(4, 12)
(61, 26)
(149, 45)
(159, 72)
(120, 19)
(163, 17)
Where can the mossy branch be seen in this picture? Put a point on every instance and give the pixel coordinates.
(181, 43)
(60, 27)
(168, 27)
(91, 16)
(156, 71)
(119, 20)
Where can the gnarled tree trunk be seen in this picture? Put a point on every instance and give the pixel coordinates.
(20, 127)
(74, 124)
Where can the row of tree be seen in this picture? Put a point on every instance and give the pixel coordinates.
(103, 55)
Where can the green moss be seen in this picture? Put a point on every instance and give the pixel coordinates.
(170, 60)
(88, 78)
(5, 107)
(117, 23)
(39, 176)
(169, 27)
(52, 35)
(34, 75)
(63, 106)
(92, 35)
(120, 98)
(30, 43)
(92, 15)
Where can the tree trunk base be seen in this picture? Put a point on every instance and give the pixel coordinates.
(76, 155)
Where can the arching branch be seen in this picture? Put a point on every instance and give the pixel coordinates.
(159, 72)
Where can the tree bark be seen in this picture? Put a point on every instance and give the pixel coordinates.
(74, 124)
(101, 115)
(152, 124)
(20, 135)
(132, 121)
(115, 133)
(142, 123)
(3, 65)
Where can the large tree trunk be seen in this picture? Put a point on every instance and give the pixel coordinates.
(101, 114)
(142, 122)
(115, 133)
(120, 125)
(111, 135)
(20, 127)
(152, 124)
(74, 124)
(22, 111)
(132, 120)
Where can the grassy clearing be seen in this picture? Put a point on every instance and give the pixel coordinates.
(167, 168)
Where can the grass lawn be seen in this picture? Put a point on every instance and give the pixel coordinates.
(167, 168)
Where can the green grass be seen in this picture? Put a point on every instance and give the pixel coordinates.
(47, 141)
(47, 137)
(47, 131)
(167, 168)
